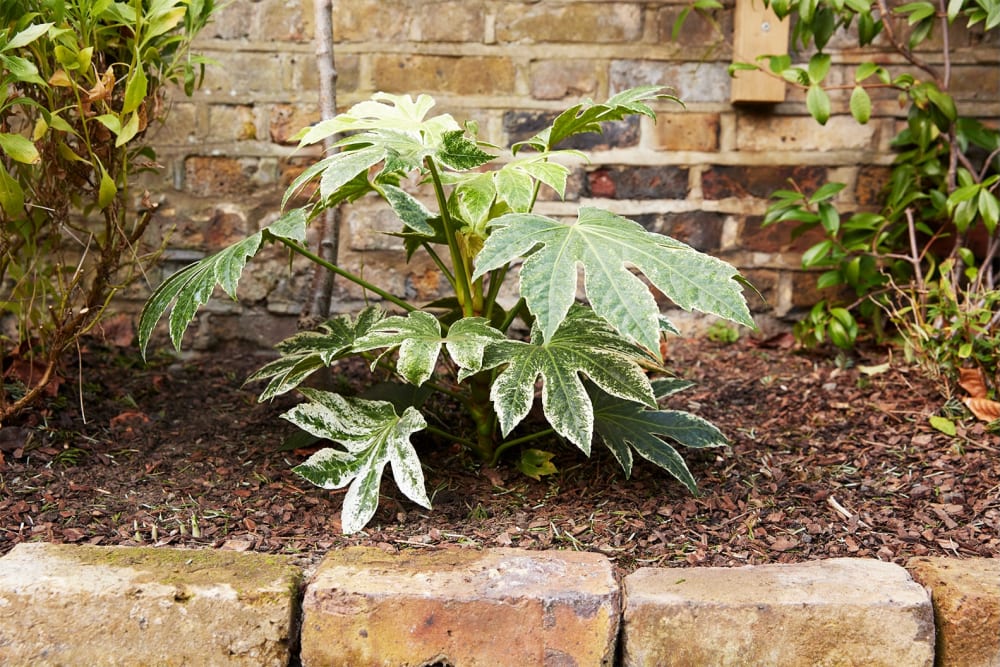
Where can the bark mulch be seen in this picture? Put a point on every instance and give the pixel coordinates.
(829, 457)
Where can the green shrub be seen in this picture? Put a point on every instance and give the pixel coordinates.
(926, 263)
(587, 362)
(81, 82)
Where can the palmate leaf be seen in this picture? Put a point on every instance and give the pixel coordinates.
(460, 153)
(419, 339)
(372, 435)
(583, 344)
(588, 116)
(308, 351)
(606, 245)
(385, 111)
(191, 287)
(625, 425)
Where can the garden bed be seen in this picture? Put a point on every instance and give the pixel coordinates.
(828, 458)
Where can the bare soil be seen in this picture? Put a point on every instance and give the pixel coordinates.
(828, 457)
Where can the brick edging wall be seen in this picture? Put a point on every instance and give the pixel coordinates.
(66, 604)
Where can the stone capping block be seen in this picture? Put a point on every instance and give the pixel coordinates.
(84, 605)
(461, 607)
(835, 612)
(966, 597)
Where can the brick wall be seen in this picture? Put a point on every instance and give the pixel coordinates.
(702, 173)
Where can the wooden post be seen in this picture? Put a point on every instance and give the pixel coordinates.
(757, 32)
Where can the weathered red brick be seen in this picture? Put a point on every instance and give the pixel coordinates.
(777, 237)
(461, 607)
(661, 182)
(871, 181)
(720, 182)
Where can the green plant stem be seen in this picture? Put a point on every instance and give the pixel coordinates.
(361, 282)
(449, 276)
(504, 446)
(496, 282)
(458, 261)
(450, 436)
(512, 314)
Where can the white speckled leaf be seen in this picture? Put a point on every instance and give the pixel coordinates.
(419, 339)
(372, 435)
(583, 345)
(606, 245)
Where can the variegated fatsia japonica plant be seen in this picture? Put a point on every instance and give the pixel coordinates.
(589, 364)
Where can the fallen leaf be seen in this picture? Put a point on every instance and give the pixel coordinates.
(944, 425)
(983, 408)
(780, 341)
(784, 544)
(129, 418)
(972, 381)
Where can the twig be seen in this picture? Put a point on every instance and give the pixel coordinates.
(832, 502)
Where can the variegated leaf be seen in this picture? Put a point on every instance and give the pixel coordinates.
(625, 425)
(419, 339)
(308, 351)
(583, 344)
(606, 245)
(372, 435)
(191, 287)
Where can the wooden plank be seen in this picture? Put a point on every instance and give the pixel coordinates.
(757, 32)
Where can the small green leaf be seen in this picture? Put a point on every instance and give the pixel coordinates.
(18, 148)
(459, 153)
(11, 194)
(536, 463)
(861, 105)
(419, 340)
(989, 208)
(825, 192)
(917, 11)
(135, 90)
(21, 69)
(516, 187)
(943, 424)
(341, 168)
(943, 101)
(108, 190)
(818, 104)
(473, 198)
(588, 116)
(26, 36)
(130, 129)
(829, 218)
(865, 70)
(819, 65)
(816, 254)
(304, 353)
(624, 425)
(409, 209)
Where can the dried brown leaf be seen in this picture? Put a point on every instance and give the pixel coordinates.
(972, 381)
(983, 408)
